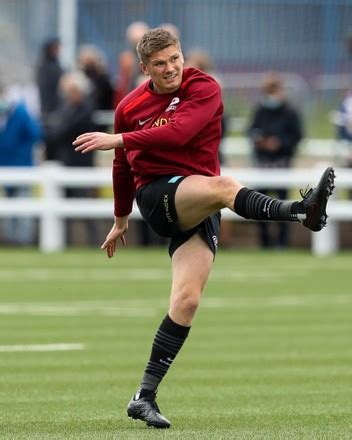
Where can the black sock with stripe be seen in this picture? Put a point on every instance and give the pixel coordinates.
(167, 343)
(256, 206)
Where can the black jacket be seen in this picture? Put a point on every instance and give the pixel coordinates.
(68, 123)
(49, 72)
(284, 123)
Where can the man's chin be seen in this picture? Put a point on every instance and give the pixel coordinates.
(172, 86)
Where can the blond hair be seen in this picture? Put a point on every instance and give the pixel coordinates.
(153, 41)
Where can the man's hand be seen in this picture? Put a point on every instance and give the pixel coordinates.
(272, 144)
(117, 232)
(97, 141)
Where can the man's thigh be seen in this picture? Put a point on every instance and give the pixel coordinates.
(157, 203)
(196, 198)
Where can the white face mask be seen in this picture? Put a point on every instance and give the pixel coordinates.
(272, 102)
(4, 106)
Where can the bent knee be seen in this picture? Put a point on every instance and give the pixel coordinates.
(186, 302)
(226, 188)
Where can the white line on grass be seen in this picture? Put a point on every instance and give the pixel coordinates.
(77, 309)
(138, 308)
(41, 347)
(277, 301)
(148, 274)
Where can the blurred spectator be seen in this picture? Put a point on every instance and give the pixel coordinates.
(275, 131)
(19, 133)
(172, 28)
(128, 64)
(49, 72)
(201, 60)
(74, 118)
(26, 92)
(343, 121)
(91, 61)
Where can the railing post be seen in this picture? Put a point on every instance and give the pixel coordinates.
(326, 241)
(51, 230)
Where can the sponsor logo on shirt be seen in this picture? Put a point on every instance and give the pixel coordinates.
(173, 104)
(142, 122)
(161, 121)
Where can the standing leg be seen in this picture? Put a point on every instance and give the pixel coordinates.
(191, 266)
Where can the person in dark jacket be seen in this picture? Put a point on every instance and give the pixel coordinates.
(49, 72)
(275, 130)
(91, 62)
(74, 118)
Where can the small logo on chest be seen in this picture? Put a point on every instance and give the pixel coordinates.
(173, 104)
(142, 122)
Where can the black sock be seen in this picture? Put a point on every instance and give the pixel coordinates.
(254, 205)
(167, 343)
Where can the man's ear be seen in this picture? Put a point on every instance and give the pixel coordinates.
(144, 69)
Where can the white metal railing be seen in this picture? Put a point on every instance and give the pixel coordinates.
(52, 208)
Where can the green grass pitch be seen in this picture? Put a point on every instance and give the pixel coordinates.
(269, 355)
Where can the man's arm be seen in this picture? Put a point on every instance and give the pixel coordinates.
(97, 140)
(123, 184)
(193, 114)
(124, 192)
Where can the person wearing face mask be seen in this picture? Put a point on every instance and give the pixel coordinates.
(275, 130)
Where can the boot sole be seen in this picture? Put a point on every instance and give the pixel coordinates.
(150, 425)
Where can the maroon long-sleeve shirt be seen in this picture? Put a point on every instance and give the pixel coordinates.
(166, 134)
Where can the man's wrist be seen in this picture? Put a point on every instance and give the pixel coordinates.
(120, 141)
(121, 221)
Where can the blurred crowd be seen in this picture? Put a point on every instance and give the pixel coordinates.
(39, 121)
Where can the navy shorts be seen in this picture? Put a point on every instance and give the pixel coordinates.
(156, 202)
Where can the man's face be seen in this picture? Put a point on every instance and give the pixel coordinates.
(165, 68)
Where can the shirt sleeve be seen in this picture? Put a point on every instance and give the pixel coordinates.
(122, 178)
(202, 101)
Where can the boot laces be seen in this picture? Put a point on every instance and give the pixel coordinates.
(306, 193)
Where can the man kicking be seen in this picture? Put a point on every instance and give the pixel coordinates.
(166, 144)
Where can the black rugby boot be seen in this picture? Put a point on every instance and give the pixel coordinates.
(146, 409)
(315, 200)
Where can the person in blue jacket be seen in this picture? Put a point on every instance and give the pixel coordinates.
(19, 132)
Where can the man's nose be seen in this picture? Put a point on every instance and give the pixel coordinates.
(169, 66)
